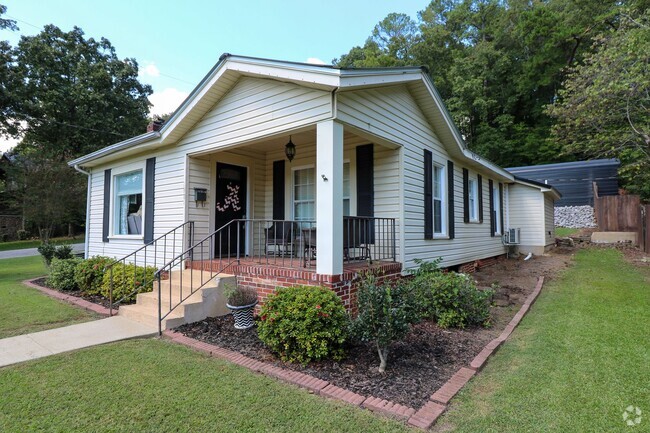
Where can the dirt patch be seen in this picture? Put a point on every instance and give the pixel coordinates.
(95, 299)
(426, 358)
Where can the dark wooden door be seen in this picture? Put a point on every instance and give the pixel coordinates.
(230, 205)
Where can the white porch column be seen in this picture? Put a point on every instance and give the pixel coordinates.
(329, 198)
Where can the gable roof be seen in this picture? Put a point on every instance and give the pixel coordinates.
(543, 187)
(230, 68)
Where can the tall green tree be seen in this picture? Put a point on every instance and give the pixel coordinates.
(7, 79)
(603, 110)
(71, 95)
(76, 95)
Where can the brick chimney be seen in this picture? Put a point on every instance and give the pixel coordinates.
(155, 125)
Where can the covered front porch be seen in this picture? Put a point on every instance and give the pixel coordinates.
(331, 209)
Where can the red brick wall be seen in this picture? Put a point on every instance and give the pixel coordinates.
(471, 267)
(266, 279)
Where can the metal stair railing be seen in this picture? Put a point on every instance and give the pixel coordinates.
(147, 256)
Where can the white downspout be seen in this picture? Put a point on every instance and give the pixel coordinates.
(86, 245)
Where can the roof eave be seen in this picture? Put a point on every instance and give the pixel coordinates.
(114, 148)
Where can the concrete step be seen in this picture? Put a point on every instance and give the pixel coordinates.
(207, 301)
(149, 317)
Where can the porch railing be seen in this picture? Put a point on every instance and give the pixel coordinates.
(283, 243)
(160, 250)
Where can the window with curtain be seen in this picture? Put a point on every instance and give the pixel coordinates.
(438, 199)
(304, 194)
(128, 204)
(473, 200)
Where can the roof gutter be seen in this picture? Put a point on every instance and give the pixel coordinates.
(109, 150)
(86, 243)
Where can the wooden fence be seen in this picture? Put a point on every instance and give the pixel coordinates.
(644, 228)
(623, 213)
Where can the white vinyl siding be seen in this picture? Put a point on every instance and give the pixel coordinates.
(526, 211)
(496, 215)
(549, 220)
(392, 114)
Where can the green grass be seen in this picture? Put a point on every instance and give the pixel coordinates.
(157, 386)
(26, 310)
(576, 361)
(563, 232)
(34, 243)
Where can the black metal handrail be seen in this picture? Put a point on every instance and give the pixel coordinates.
(156, 251)
(282, 243)
(213, 256)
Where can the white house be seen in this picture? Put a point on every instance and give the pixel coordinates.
(531, 208)
(380, 173)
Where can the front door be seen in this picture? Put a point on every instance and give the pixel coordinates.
(230, 205)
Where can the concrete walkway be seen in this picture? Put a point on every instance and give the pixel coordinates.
(40, 344)
(26, 252)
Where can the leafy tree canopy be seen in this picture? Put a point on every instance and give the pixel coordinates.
(603, 110)
(496, 64)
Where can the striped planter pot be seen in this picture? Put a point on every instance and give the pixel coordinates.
(243, 315)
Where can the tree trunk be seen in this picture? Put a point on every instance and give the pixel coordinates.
(70, 230)
(383, 357)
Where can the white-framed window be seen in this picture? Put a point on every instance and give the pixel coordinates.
(346, 189)
(496, 212)
(473, 200)
(127, 203)
(439, 204)
(304, 194)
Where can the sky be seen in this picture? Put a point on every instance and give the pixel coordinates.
(177, 42)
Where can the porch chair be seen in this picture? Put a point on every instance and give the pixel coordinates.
(281, 237)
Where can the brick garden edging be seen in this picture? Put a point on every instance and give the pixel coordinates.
(79, 302)
(423, 418)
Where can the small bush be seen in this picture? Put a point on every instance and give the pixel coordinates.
(451, 299)
(22, 235)
(304, 323)
(89, 274)
(240, 296)
(50, 251)
(385, 313)
(62, 274)
(128, 279)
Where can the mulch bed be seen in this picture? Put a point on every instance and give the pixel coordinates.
(95, 299)
(417, 366)
(420, 364)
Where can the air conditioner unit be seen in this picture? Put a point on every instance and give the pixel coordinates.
(512, 237)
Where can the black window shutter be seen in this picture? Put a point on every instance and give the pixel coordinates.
(278, 190)
(107, 205)
(150, 176)
(491, 201)
(465, 195)
(450, 199)
(501, 206)
(365, 181)
(428, 194)
(480, 198)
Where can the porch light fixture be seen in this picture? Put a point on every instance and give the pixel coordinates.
(290, 150)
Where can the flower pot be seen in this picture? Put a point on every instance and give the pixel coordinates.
(243, 315)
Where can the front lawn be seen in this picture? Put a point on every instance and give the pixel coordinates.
(24, 309)
(34, 243)
(154, 385)
(575, 363)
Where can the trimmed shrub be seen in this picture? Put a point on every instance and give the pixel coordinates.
(385, 313)
(450, 298)
(50, 251)
(89, 274)
(304, 323)
(128, 281)
(62, 274)
(22, 235)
